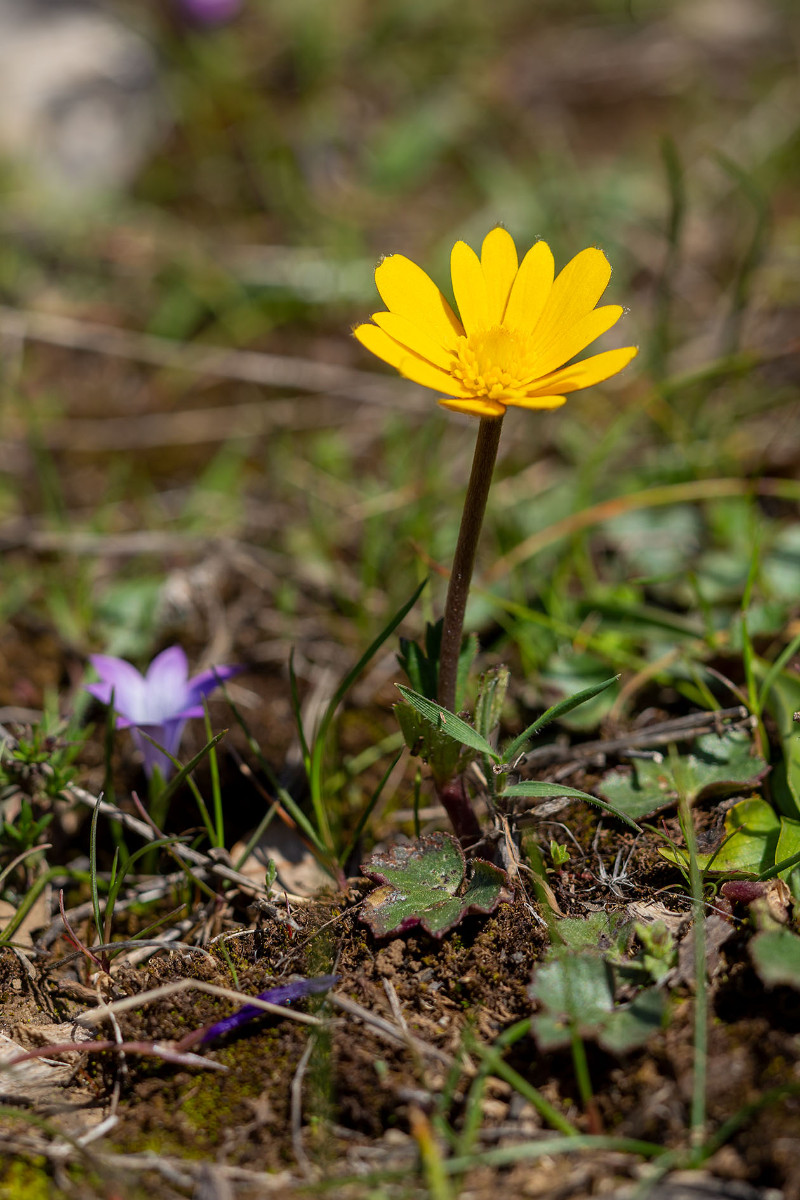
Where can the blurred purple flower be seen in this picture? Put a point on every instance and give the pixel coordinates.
(283, 994)
(158, 703)
(210, 12)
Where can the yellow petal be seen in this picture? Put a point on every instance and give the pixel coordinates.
(499, 262)
(406, 289)
(476, 406)
(530, 289)
(587, 372)
(568, 341)
(574, 294)
(409, 334)
(379, 343)
(469, 288)
(537, 401)
(405, 361)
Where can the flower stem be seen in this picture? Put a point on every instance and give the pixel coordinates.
(464, 560)
(455, 800)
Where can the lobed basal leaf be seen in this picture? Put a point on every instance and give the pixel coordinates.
(718, 765)
(426, 883)
(575, 991)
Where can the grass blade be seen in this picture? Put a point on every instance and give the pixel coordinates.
(373, 800)
(541, 787)
(320, 735)
(553, 713)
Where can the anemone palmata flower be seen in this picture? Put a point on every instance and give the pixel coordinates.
(519, 324)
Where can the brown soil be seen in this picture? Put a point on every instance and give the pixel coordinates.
(361, 1092)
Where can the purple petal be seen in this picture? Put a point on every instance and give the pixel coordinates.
(121, 678)
(159, 703)
(166, 682)
(210, 12)
(284, 994)
(167, 735)
(101, 691)
(205, 682)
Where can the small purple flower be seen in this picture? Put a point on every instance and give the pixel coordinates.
(158, 703)
(210, 12)
(283, 994)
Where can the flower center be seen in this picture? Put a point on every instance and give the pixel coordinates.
(492, 362)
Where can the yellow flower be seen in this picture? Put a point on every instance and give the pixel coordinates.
(518, 326)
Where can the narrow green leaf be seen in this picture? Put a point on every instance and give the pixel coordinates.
(748, 654)
(297, 713)
(415, 665)
(783, 700)
(184, 772)
(287, 801)
(535, 787)
(491, 697)
(93, 871)
(557, 710)
(774, 670)
(447, 723)
(466, 658)
(320, 736)
(373, 800)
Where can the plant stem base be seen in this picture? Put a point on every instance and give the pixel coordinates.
(453, 797)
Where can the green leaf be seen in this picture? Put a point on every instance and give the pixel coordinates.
(609, 932)
(447, 723)
(427, 742)
(780, 568)
(788, 852)
(659, 951)
(776, 957)
(540, 787)
(783, 701)
(416, 666)
(645, 790)
(749, 845)
(316, 760)
(424, 884)
(422, 666)
(491, 697)
(575, 988)
(553, 713)
(656, 541)
(718, 764)
(576, 994)
(631, 1025)
(569, 675)
(466, 657)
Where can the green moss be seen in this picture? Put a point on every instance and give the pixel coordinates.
(209, 1104)
(20, 1180)
(212, 1107)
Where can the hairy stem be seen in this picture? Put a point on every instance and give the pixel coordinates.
(458, 806)
(464, 560)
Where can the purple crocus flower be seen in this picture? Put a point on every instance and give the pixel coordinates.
(158, 703)
(210, 12)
